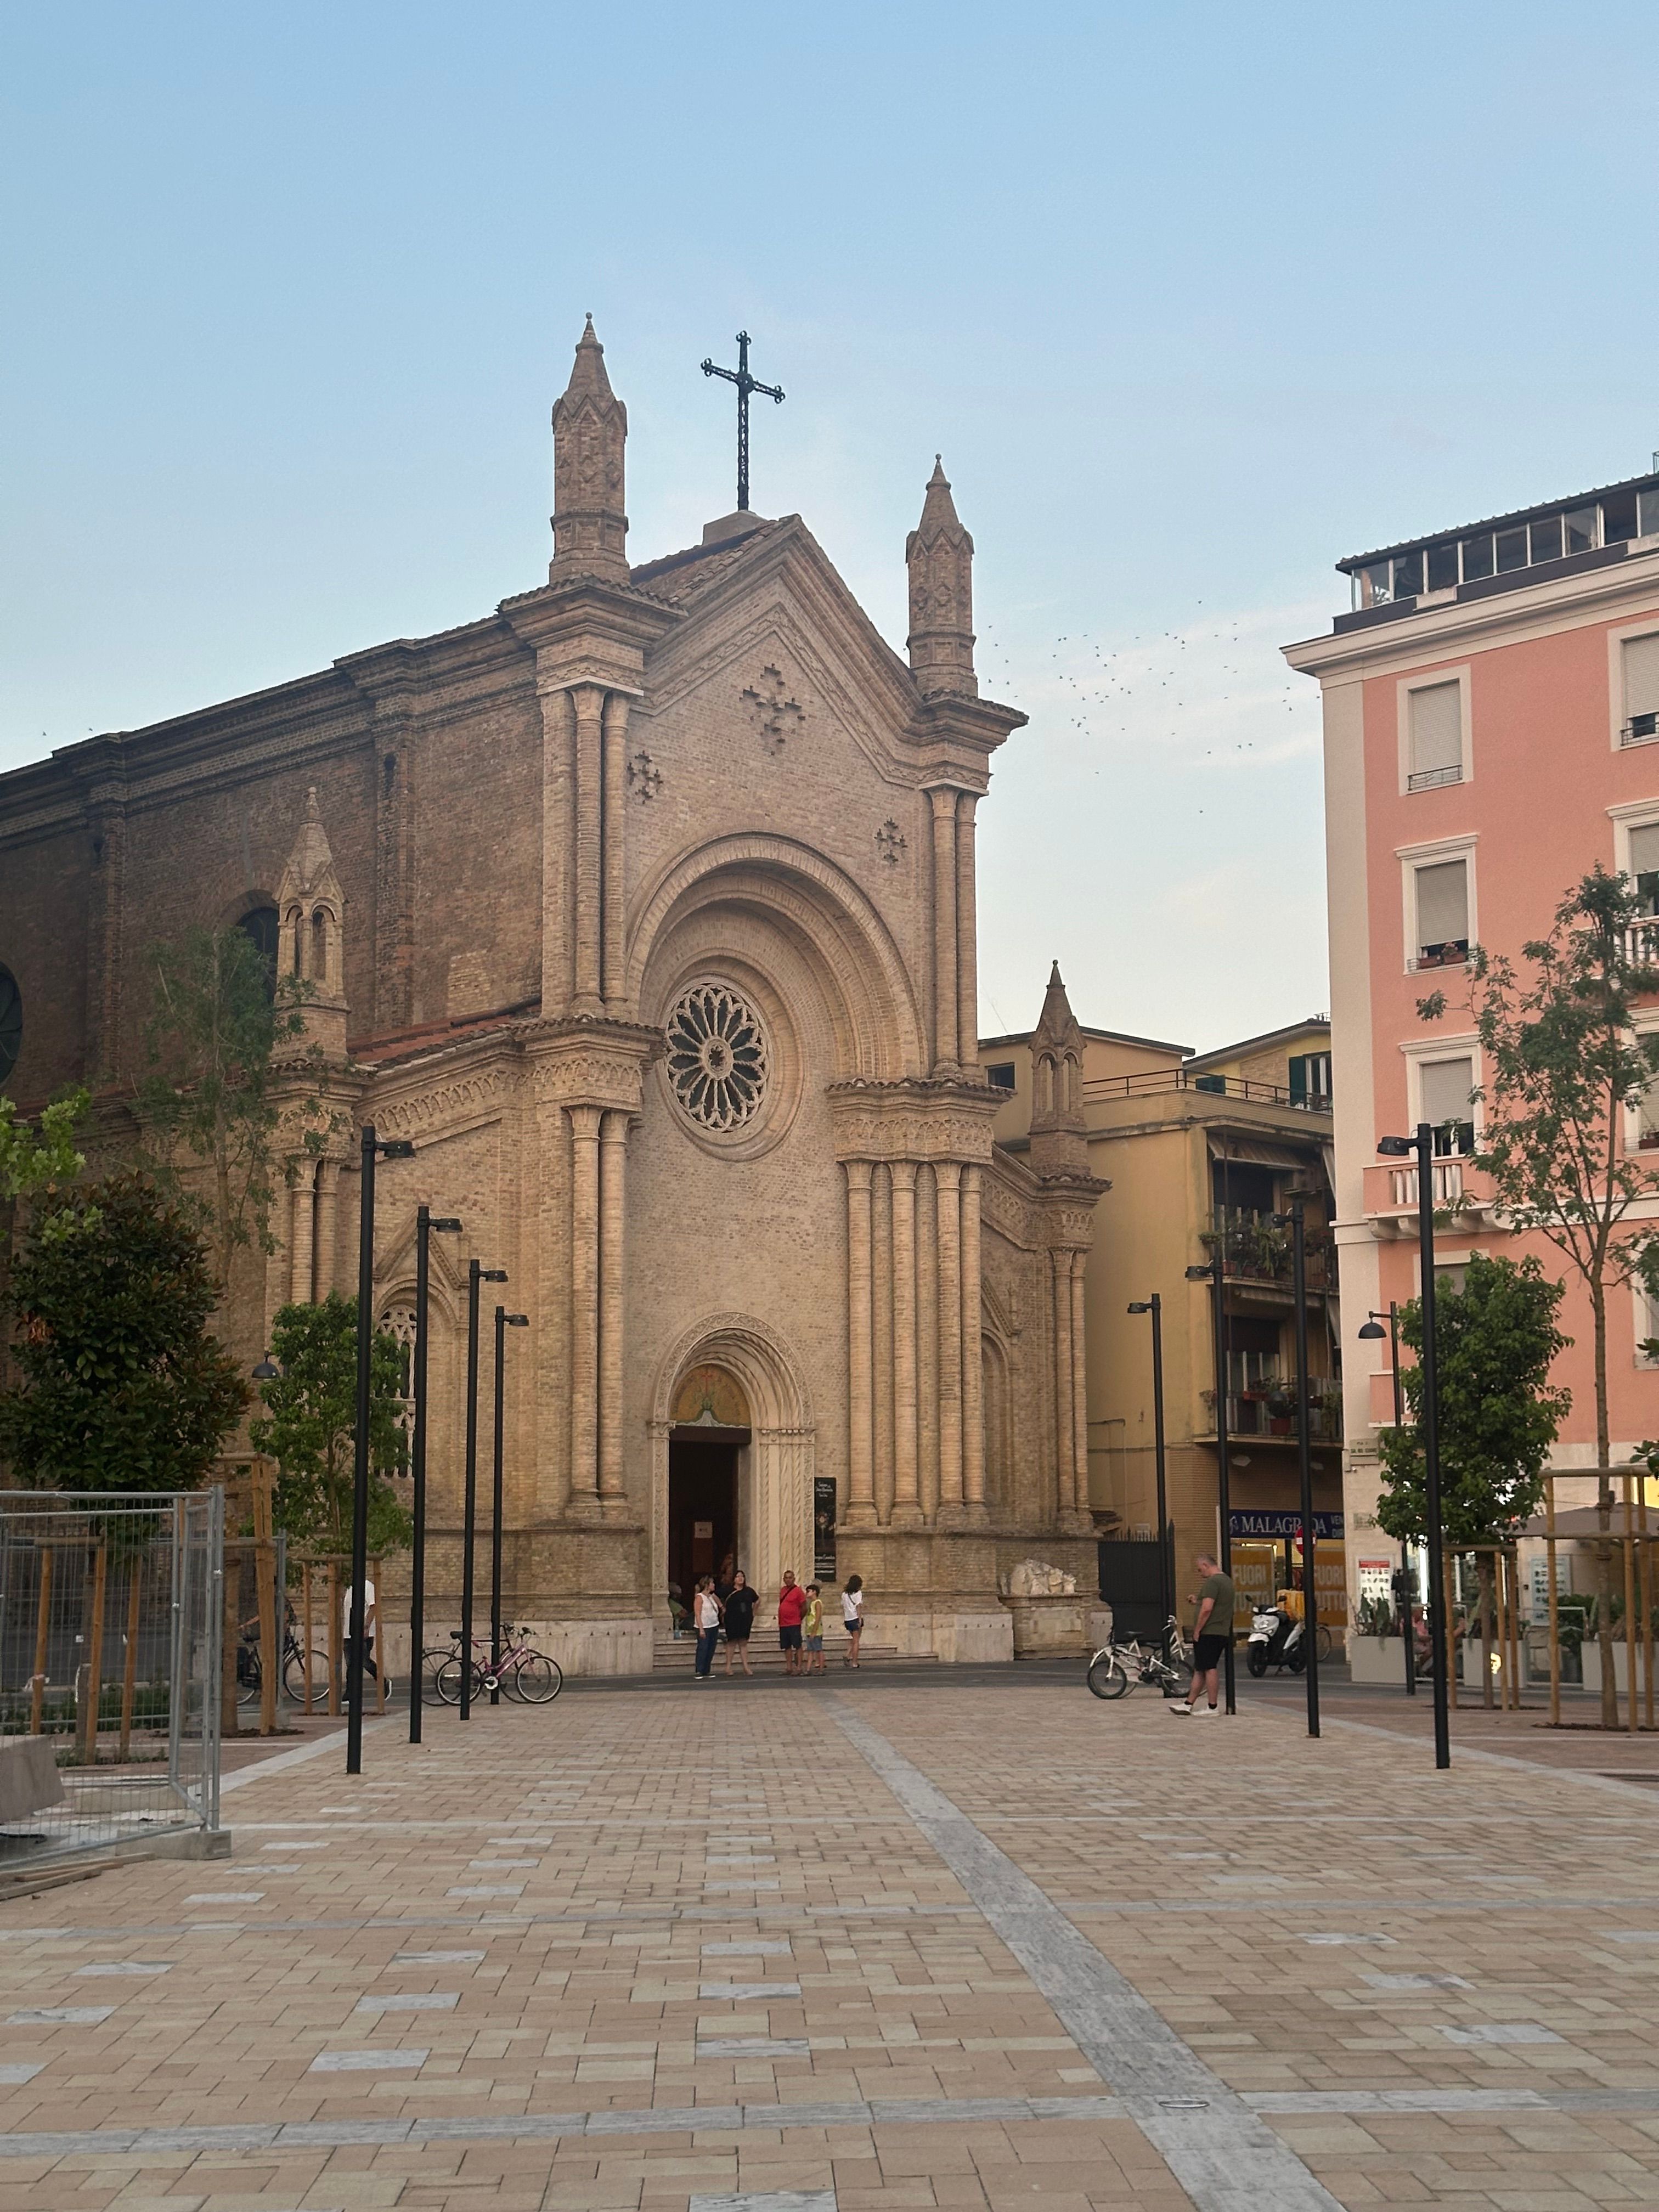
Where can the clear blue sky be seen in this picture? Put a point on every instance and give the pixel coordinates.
(1194, 298)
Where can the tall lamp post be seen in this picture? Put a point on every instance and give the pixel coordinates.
(1399, 1148)
(1373, 1333)
(477, 1272)
(373, 1148)
(504, 1321)
(425, 1226)
(1296, 1221)
(1214, 1274)
(1154, 1305)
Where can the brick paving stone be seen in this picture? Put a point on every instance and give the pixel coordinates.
(617, 1979)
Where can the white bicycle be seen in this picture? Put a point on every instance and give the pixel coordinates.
(1117, 1668)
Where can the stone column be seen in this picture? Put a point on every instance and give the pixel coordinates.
(302, 1247)
(558, 872)
(967, 943)
(945, 926)
(1079, 1389)
(584, 1306)
(906, 1505)
(881, 1317)
(973, 1411)
(860, 1505)
(927, 1342)
(613, 1159)
(1065, 1434)
(615, 815)
(590, 705)
(328, 1211)
(947, 1174)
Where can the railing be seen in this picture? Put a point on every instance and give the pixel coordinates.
(1641, 941)
(1452, 952)
(1640, 730)
(1272, 1415)
(1426, 779)
(1153, 1082)
(1253, 1251)
(1458, 1186)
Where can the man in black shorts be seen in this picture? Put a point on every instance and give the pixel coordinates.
(1213, 1631)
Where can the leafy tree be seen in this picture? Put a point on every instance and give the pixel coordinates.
(30, 1158)
(1495, 1342)
(310, 1427)
(224, 1037)
(1564, 1065)
(125, 1386)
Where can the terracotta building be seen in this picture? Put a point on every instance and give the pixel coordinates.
(646, 907)
(1491, 732)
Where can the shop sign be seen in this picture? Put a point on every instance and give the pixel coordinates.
(1327, 1527)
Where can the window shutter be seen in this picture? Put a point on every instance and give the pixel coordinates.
(1641, 675)
(1442, 903)
(1644, 849)
(1446, 1084)
(1437, 728)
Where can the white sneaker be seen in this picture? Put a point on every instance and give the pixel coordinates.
(1211, 1709)
(1181, 1707)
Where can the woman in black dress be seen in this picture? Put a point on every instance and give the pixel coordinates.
(739, 1620)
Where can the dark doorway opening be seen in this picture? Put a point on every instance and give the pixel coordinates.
(703, 1504)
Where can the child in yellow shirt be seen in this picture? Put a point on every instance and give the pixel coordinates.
(811, 1623)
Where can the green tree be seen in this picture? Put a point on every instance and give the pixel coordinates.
(124, 1385)
(309, 1427)
(1565, 1067)
(224, 1038)
(31, 1157)
(1496, 1340)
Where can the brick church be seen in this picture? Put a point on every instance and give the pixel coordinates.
(645, 905)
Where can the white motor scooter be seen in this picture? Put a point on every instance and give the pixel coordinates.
(1276, 1640)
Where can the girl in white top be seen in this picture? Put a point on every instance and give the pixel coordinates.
(707, 1617)
(852, 1618)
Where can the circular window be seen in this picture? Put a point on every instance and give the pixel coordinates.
(717, 1065)
(11, 1023)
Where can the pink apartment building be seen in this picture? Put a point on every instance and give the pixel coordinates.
(1492, 730)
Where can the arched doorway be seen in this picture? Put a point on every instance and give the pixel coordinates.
(732, 1449)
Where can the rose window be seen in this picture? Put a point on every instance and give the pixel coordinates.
(716, 1057)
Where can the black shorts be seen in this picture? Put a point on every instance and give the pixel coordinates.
(1208, 1652)
(789, 1638)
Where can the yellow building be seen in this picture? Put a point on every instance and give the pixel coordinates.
(1198, 1148)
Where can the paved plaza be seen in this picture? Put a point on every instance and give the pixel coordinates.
(858, 1944)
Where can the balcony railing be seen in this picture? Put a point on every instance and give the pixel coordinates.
(1153, 1082)
(1452, 952)
(1458, 1186)
(1253, 1251)
(1640, 730)
(1270, 1414)
(1641, 944)
(1428, 778)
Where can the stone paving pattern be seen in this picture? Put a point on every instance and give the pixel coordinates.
(645, 1950)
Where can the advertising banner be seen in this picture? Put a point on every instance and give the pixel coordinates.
(823, 1528)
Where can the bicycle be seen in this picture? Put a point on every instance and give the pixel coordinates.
(250, 1670)
(530, 1675)
(1116, 1668)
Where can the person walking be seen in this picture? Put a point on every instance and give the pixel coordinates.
(792, 1604)
(709, 1626)
(852, 1618)
(1213, 1631)
(739, 1619)
(811, 1628)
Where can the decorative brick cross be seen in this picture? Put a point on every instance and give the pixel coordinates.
(889, 842)
(775, 713)
(644, 776)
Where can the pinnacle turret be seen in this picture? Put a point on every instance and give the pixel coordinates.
(590, 432)
(940, 555)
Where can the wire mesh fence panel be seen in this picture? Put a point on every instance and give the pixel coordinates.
(111, 1609)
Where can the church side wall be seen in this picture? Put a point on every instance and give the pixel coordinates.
(44, 927)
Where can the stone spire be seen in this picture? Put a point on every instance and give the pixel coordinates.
(311, 914)
(1058, 1143)
(940, 555)
(590, 428)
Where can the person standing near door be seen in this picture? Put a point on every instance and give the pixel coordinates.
(739, 1619)
(1213, 1631)
(792, 1604)
(709, 1626)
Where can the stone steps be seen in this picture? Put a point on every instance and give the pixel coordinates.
(677, 1655)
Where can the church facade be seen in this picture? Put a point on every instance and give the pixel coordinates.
(645, 907)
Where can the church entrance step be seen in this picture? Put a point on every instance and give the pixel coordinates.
(677, 1655)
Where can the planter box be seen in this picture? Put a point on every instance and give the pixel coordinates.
(1378, 1659)
(1050, 1627)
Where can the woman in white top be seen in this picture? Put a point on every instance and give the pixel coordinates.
(852, 1618)
(708, 1614)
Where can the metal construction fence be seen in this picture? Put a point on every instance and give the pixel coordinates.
(111, 1626)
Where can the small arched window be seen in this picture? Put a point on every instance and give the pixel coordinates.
(262, 926)
(319, 945)
(11, 1023)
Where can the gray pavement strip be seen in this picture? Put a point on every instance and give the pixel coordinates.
(769, 2200)
(746, 1993)
(1222, 2156)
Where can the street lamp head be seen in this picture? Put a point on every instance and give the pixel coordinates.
(450, 1223)
(492, 1274)
(1372, 1332)
(1141, 1305)
(1204, 1274)
(517, 1321)
(395, 1148)
(267, 1370)
(1396, 1148)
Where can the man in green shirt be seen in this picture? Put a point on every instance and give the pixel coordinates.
(1213, 1631)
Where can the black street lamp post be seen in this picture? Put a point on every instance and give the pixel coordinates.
(1154, 1305)
(373, 1148)
(1372, 1334)
(1429, 1425)
(425, 1226)
(504, 1321)
(1214, 1274)
(1296, 1221)
(477, 1272)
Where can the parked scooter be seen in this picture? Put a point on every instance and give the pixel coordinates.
(1276, 1640)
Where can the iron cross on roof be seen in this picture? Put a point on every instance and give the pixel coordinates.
(745, 385)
